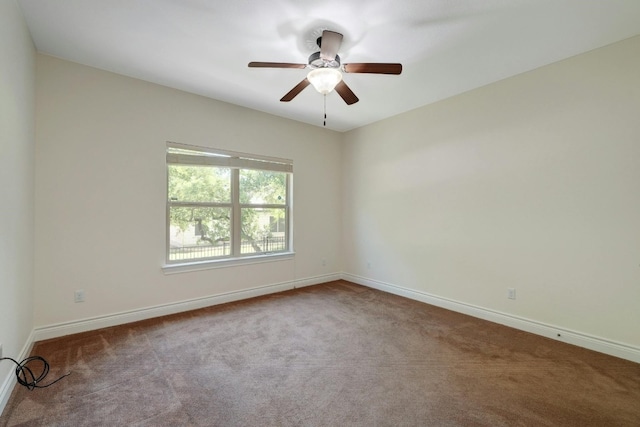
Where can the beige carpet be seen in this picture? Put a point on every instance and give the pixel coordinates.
(336, 354)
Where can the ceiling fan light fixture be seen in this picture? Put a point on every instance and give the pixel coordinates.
(326, 74)
(324, 79)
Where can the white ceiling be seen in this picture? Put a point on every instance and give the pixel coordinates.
(446, 46)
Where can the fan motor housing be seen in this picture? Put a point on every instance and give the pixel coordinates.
(316, 62)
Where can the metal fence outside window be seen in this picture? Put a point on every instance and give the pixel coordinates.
(264, 245)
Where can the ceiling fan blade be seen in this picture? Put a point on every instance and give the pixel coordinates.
(275, 65)
(373, 67)
(346, 93)
(296, 90)
(330, 45)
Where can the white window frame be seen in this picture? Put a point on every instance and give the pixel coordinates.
(235, 161)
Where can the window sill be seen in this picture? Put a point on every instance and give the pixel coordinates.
(224, 263)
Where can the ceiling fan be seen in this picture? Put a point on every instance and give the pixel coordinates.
(326, 69)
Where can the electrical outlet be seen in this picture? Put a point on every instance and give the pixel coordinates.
(368, 265)
(324, 262)
(511, 293)
(78, 296)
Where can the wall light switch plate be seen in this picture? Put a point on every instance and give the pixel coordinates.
(78, 295)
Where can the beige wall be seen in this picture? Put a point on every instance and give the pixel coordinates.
(531, 183)
(100, 191)
(17, 119)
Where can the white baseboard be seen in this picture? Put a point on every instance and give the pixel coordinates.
(590, 342)
(10, 380)
(93, 323)
(580, 339)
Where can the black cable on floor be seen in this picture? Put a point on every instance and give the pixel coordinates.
(25, 375)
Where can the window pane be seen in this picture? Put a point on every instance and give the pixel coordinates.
(263, 230)
(263, 187)
(199, 184)
(197, 233)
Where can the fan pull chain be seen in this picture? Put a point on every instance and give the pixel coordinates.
(325, 110)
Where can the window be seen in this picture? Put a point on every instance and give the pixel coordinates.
(223, 205)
